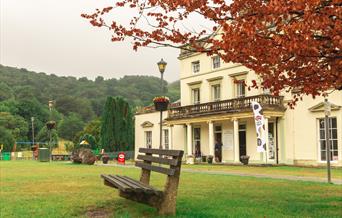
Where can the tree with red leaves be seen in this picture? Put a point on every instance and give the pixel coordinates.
(292, 45)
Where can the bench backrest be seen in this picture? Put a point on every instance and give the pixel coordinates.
(170, 158)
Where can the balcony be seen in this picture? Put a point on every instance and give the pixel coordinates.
(236, 105)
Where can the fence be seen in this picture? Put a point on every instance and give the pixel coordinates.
(28, 155)
(114, 155)
(21, 155)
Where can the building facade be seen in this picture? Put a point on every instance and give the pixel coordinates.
(214, 117)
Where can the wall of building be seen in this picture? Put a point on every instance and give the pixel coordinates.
(178, 137)
(228, 71)
(301, 134)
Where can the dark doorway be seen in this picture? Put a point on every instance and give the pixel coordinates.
(218, 143)
(242, 140)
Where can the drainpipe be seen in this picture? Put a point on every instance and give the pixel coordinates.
(277, 147)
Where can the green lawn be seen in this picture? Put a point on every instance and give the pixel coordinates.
(33, 189)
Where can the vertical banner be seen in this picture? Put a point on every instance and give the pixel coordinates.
(259, 126)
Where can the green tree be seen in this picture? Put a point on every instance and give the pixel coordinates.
(6, 139)
(81, 106)
(5, 92)
(44, 137)
(70, 125)
(117, 125)
(16, 124)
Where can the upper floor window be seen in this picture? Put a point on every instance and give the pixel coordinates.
(216, 92)
(196, 98)
(216, 62)
(148, 139)
(195, 66)
(240, 89)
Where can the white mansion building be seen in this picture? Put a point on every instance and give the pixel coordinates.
(215, 108)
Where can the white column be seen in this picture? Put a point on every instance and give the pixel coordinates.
(189, 138)
(211, 138)
(170, 137)
(266, 138)
(236, 141)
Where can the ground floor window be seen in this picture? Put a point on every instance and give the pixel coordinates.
(197, 141)
(166, 138)
(148, 139)
(333, 139)
(271, 143)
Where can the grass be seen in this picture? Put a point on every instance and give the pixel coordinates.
(60, 189)
(336, 173)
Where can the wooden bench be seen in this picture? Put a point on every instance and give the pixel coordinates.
(141, 191)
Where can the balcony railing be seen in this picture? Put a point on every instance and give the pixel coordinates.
(268, 102)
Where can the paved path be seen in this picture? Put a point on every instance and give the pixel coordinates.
(214, 172)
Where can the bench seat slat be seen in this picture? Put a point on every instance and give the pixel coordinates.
(147, 188)
(127, 182)
(117, 184)
(172, 162)
(174, 153)
(158, 169)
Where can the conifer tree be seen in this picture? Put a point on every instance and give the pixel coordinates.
(117, 125)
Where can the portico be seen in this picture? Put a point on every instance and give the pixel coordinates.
(236, 132)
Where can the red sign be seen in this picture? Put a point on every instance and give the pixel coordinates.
(121, 158)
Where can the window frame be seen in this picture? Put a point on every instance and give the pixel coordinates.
(216, 64)
(335, 140)
(213, 92)
(195, 67)
(166, 140)
(239, 86)
(193, 96)
(148, 134)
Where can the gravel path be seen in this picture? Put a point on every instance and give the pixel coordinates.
(214, 172)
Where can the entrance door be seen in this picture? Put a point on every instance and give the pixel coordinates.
(218, 143)
(242, 139)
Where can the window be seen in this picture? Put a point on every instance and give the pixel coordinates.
(197, 141)
(216, 92)
(333, 139)
(148, 139)
(166, 138)
(240, 89)
(195, 66)
(216, 62)
(196, 98)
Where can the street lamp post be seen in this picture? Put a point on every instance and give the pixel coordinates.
(161, 66)
(327, 111)
(32, 123)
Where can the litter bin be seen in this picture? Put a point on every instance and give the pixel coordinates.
(43, 154)
(6, 155)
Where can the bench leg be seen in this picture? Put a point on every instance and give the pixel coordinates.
(168, 203)
(149, 199)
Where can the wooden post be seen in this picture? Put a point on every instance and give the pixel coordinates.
(168, 203)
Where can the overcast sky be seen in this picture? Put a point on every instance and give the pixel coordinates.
(50, 36)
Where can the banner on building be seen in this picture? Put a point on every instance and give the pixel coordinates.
(259, 126)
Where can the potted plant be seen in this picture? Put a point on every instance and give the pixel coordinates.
(190, 159)
(244, 159)
(210, 159)
(105, 158)
(161, 103)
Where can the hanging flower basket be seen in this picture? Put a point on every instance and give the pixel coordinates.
(161, 103)
(51, 124)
